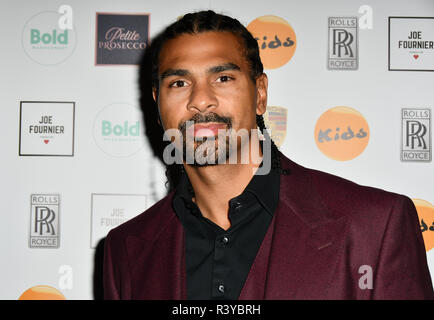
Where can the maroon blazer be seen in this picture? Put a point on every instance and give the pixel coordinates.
(324, 233)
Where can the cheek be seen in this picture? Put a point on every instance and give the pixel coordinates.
(171, 113)
(242, 108)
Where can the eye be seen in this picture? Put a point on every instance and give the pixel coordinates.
(178, 84)
(224, 79)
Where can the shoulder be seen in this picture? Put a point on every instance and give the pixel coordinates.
(341, 194)
(343, 197)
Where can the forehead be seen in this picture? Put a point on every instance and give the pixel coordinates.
(193, 51)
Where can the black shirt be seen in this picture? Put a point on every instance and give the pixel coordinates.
(217, 260)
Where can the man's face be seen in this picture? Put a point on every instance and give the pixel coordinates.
(206, 78)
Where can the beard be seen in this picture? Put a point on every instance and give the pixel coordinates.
(207, 150)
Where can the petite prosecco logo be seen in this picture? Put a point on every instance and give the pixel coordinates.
(120, 38)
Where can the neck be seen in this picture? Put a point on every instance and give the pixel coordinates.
(215, 185)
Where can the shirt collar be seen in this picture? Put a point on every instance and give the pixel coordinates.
(265, 188)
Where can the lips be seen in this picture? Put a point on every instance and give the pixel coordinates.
(208, 130)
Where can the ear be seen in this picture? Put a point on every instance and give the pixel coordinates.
(155, 97)
(154, 94)
(261, 94)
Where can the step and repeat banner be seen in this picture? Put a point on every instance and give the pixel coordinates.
(350, 93)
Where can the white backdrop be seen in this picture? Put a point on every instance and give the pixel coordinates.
(105, 182)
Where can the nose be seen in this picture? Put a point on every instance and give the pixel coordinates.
(202, 98)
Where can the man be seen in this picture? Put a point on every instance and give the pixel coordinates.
(228, 232)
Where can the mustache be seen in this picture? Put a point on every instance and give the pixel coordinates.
(205, 118)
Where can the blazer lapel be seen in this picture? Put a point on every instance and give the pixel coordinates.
(254, 287)
(298, 255)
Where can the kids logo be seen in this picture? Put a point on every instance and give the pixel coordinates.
(276, 40)
(275, 120)
(45, 42)
(341, 133)
(42, 292)
(425, 211)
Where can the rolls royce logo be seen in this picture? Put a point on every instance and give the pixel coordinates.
(44, 221)
(343, 48)
(416, 135)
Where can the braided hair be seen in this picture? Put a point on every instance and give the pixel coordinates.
(275, 157)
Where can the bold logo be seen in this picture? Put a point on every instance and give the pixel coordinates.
(425, 211)
(125, 129)
(44, 221)
(275, 120)
(416, 135)
(121, 38)
(111, 210)
(45, 42)
(118, 130)
(343, 48)
(411, 44)
(276, 40)
(46, 128)
(42, 293)
(341, 133)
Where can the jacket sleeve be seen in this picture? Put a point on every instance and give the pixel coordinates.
(116, 280)
(402, 270)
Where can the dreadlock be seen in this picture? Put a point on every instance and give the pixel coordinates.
(275, 157)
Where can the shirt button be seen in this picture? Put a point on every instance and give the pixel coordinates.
(237, 205)
(221, 288)
(225, 240)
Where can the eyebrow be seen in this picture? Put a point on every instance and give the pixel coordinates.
(185, 72)
(173, 72)
(224, 67)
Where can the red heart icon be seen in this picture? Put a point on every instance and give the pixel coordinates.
(416, 56)
(46, 141)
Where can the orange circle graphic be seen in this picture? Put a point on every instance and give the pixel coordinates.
(425, 211)
(276, 40)
(341, 133)
(42, 293)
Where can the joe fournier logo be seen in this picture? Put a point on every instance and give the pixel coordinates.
(44, 221)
